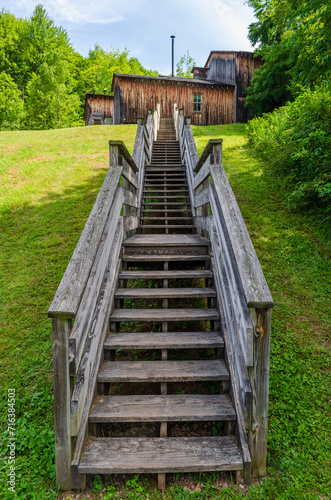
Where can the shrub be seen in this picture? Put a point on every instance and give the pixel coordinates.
(295, 143)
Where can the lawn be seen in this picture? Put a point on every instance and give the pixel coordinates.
(49, 181)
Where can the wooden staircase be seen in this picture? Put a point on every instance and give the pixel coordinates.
(168, 366)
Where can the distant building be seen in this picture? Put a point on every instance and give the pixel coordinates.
(215, 94)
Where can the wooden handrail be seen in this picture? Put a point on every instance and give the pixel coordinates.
(207, 152)
(123, 151)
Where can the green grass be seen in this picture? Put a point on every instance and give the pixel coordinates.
(49, 181)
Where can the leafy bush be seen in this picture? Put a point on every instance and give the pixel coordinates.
(295, 143)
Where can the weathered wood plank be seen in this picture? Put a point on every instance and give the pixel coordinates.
(259, 377)
(234, 383)
(129, 174)
(122, 149)
(188, 407)
(164, 340)
(207, 152)
(203, 173)
(127, 275)
(235, 306)
(89, 363)
(129, 198)
(85, 311)
(123, 293)
(70, 291)
(162, 371)
(157, 455)
(202, 198)
(202, 222)
(63, 451)
(164, 314)
(253, 281)
(131, 223)
(231, 323)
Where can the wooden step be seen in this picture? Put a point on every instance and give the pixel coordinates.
(153, 169)
(147, 275)
(160, 455)
(159, 203)
(162, 196)
(165, 258)
(166, 240)
(161, 340)
(166, 218)
(154, 315)
(169, 226)
(171, 210)
(179, 408)
(162, 371)
(164, 293)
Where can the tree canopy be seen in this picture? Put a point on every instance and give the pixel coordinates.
(185, 65)
(293, 37)
(43, 80)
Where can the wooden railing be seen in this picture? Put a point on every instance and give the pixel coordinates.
(244, 299)
(84, 299)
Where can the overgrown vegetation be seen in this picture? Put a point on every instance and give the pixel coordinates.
(43, 80)
(293, 39)
(49, 181)
(295, 143)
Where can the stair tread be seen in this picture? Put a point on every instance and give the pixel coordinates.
(164, 274)
(159, 455)
(147, 408)
(122, 293)
(163, 340)
(161, 258)
(162, 371)
(166, 240)
(182, 314)
(166, 218)
(166, 226)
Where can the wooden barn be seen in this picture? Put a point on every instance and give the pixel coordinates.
(215, 94)
(99, 109)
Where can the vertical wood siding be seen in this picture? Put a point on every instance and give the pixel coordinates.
(137, 95)
(98, 104)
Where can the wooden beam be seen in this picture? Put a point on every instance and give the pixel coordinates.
(253, 281)
(207, 152)
(259, 376)
(62, 393)
(122, 149)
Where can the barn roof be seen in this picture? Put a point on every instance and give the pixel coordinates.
(228, 52)
(178, 79)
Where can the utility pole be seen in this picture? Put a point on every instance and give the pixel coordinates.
(173, 54)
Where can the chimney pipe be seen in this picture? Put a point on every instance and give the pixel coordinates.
(173, 54)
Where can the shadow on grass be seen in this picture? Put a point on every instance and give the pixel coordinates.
(37, 241)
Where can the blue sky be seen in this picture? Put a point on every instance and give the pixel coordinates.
(145, 26)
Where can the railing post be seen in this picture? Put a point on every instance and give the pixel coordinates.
(259, 377)
(113, 156)
(158, 108)
(62, 395)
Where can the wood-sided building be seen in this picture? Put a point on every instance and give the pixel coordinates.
(215, 94)
(206, 102)
(234, 67)
(99, 109)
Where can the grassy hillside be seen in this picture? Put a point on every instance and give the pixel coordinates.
(49, 181)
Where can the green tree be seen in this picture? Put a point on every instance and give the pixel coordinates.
(50, 104)
(101, 64)
(185, 65)
(11, 103)
(293, 38)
